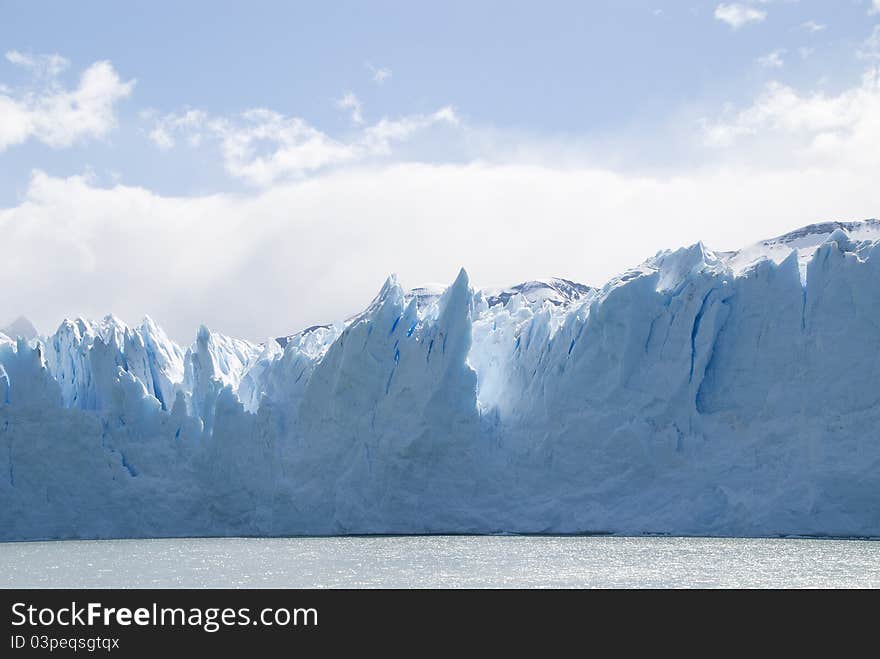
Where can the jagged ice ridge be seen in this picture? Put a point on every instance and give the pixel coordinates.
(700, 393)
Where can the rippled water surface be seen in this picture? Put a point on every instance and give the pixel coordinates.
(442, 561)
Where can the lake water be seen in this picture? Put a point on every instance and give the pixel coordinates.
(441, 562)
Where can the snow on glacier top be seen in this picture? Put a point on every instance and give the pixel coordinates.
(804, 240)
(555, 290)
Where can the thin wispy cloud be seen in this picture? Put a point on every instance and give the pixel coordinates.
(772, 60)
(812, 26)
(870, 49)
(379, 74)
(169, 127)
(263, 147)
(353, 104)
(737, 15)
(42, 65)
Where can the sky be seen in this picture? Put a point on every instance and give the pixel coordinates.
(261, 167)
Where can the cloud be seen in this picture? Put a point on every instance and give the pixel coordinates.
(56, 116)
(330, 216)
(42, 65)
(263, 147)
(351, 102)
(808, 128)
(805, 52)
(189, 124)
(812, 26)
(379, 74)
(296, 148)
(772, 60)
(379, 138)
(297, 254)
(870, 49)
(737, 15)
(875, 7)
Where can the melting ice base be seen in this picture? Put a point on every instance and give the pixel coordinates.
(700, 393)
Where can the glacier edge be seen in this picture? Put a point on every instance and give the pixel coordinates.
(700, 393)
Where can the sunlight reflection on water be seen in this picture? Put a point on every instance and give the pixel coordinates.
(441, 562)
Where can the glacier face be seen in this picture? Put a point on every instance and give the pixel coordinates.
(700, 393)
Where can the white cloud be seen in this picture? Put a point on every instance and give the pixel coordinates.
(296, 253)
(875, 7)
(296, 148)
(189, 123)
(333, 215)
(263, 147)
(870, 50)
(808, 128)
(805, 52)
(772, 60)
(43, 65)
(57, 116)
(812, 26)
(737, 15)
(379, 74)
(378, 138)
(352, 103)
(316, 251)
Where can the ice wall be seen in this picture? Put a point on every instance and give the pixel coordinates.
(699, 393)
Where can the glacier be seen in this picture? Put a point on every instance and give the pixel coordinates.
(699, 393)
